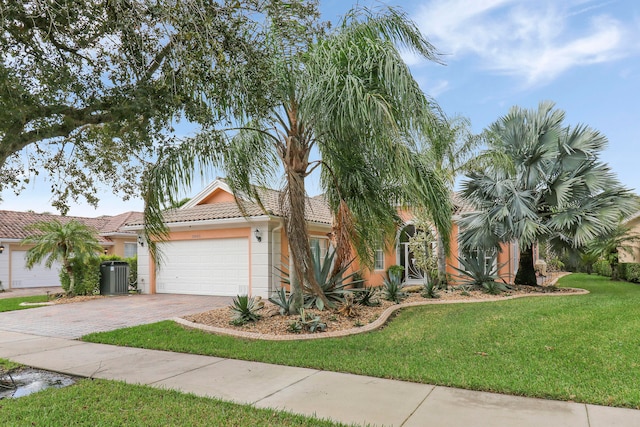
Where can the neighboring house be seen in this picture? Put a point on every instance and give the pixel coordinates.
(213, 249)
(14, 227)
(633, 255)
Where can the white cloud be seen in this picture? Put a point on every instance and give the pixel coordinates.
(437, 89)
(534, 40)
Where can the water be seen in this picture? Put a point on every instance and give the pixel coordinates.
(28, 381)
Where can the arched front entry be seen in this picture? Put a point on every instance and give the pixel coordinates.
(412, 274)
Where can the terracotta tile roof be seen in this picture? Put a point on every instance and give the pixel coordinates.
(212, 211)
(14, 225)
(317, 210)
(114, 224)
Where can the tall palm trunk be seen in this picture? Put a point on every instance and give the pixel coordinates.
(526, 270)
(298, 237)
(295, 158)
(442, 262)
(72, 279)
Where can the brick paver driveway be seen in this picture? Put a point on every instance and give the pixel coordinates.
(105, 314)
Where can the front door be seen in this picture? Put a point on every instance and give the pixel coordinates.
(412, 274)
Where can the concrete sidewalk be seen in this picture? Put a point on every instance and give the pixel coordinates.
(340, 397)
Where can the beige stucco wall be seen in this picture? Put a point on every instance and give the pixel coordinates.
(634, 255)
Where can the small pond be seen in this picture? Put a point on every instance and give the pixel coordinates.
(25, 381)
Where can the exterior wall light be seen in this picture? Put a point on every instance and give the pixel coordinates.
(140, 240)
(258, 235)
(1, 248)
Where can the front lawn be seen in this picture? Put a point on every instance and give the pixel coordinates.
(10, 304)
(109, 403)
(584, 348)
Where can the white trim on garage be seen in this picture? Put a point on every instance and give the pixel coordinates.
(204, 267)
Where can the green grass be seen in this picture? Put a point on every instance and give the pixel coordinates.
(7, 365)
(584, 348)
(10, 304)
(110, 403)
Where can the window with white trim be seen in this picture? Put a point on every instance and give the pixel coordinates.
(489, 257)
(321, 243)
(130, 250)
(378, 262)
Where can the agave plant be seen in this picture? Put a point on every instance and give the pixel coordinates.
(333, 286)
(309, 323)
(392, 286)
(245, 309)
(477, 272)
(282, 300)
(367, 296)
(430, 290)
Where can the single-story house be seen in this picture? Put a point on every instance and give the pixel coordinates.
(14, 227)
(213, 249)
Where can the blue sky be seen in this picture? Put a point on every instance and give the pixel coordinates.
(584, 55)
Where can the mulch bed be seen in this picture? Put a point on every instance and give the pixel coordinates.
(272, 323)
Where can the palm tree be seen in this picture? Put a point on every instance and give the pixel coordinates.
(552, 187)
(452, 150)
(349, 97)
(69, 243)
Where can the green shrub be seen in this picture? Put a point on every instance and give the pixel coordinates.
(395, 271)
(87, 277)
(602, 268)
(133, 272)
(629, 271)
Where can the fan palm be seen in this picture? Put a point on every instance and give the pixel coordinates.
(351, 100)
(553, 187)
(68, 243)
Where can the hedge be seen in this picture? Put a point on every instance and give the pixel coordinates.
(602, 268)
(629, 271)
(88, 274)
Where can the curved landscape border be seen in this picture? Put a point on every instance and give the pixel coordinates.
(376, 324)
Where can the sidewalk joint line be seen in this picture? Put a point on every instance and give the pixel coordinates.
(419, 405)
(187, 371)
(287, 386)
(586, 409)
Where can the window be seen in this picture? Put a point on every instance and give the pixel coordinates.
(489, 257)
(130, 250)
(378, 263)
(320, 243)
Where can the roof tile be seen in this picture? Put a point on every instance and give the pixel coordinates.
(15, 225)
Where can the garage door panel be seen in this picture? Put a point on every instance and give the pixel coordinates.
(204, 267)
(38, 276)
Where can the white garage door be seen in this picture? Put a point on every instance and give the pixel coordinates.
(204, 267)
(38, 276)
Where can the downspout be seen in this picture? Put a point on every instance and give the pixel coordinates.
(510, 270)
(273, 251)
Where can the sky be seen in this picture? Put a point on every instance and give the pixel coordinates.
(584, 55)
